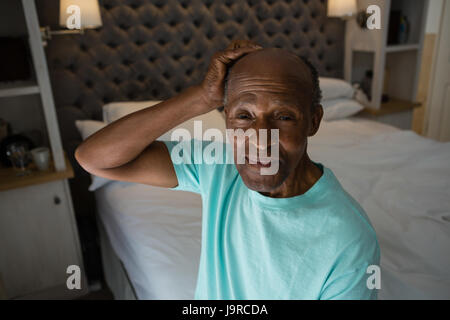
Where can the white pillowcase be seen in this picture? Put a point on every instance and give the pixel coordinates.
(116, 110)
(340, 108)
(89, 127)
(86, 128)
(210, 120)
(333, 88)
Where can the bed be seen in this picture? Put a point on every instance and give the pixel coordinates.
(401, 180)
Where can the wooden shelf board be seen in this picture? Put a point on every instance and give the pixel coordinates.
(18, 88)
(401, 47)
(392, 106)
(10, 180)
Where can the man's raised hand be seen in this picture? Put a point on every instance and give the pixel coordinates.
(213, 83)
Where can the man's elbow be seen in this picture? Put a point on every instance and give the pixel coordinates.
(81, 158)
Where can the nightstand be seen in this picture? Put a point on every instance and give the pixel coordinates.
(38, 234)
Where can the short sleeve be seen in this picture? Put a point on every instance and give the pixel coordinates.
(346, 283)
(184, 161)
(198, 163)
(350, 286)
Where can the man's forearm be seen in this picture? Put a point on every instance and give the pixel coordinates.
(123, 140)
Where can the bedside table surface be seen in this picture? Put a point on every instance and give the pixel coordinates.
(390, 107)
(10, 180)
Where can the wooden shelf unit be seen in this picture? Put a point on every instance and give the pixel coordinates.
(37, 220)
(20, 88)
(395, 67)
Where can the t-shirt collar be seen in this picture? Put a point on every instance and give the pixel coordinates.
(280, 203)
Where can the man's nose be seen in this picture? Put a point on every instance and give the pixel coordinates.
(263, 139)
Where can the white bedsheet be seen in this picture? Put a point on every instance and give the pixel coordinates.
(156, 234)
(401, 179)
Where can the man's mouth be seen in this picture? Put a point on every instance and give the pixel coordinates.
(259, 162)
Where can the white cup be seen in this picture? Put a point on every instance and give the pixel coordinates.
(41, 157)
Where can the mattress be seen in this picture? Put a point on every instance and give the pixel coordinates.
(401, 179)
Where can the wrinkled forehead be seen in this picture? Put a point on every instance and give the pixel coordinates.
(275, 71)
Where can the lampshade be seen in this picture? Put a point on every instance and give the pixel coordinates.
(341, 8)
(89, 13)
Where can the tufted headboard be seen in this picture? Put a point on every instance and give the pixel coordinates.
(153, 49)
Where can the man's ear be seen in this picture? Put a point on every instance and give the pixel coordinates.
(316, 117)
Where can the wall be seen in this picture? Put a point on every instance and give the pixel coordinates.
(431, 31)
(434, 16)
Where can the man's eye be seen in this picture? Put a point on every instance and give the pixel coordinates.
(243, 117)
(285, 118)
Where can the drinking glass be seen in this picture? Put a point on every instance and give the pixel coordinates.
(19, 157)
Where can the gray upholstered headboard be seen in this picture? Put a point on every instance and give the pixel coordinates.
(153, 49)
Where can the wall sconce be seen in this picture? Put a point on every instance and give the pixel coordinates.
(341, 8)
(89, 18)
(345, 9)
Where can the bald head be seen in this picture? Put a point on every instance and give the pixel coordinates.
(274, 62)
(275, 69)
(274, 89)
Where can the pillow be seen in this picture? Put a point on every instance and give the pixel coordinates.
(210, 120)
(340, 108)
(116, 110)
(333, 88)
(86, 128)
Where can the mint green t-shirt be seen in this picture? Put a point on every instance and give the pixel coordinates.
(317, 245)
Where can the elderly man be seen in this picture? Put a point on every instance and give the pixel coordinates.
(293, 234)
